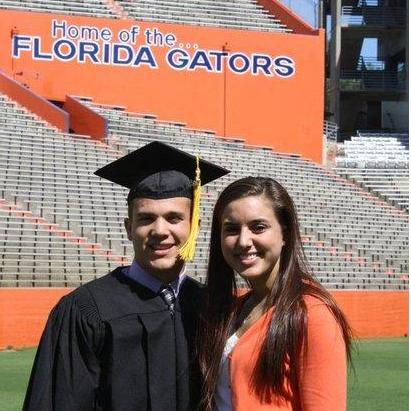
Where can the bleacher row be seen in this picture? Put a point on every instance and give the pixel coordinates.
(236, 14)
(352, 239)
(378, 162)
(340, 221)
(33, 254)
(90, 8)
(47, 173)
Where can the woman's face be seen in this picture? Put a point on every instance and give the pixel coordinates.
(251, 238)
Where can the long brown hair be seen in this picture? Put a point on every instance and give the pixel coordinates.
(288, 325)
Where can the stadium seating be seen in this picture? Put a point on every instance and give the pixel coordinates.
(311, 185)
(36, 253)
(92, 8)
(47, 173)
(352, 239)
(402, 137)
(378, 162)
(236, 14)
(239, 14)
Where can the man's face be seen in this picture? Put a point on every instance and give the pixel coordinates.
(158, 228)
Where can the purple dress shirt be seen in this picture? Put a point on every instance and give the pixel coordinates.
(137, 274)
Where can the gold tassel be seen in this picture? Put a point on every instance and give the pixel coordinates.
(187, 250)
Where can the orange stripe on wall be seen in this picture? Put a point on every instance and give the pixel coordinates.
(375, 313)
(23, 313)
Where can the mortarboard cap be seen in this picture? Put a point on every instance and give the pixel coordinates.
(158, 171)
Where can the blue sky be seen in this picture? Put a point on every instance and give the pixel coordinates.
(369, 47)
(308, 9)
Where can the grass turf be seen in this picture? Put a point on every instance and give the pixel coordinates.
(15, 369)
(380, 378)
(380, 381)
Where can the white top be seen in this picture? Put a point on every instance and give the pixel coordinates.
(223, 388)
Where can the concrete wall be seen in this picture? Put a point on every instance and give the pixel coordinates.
(395, 114)
(23, 313)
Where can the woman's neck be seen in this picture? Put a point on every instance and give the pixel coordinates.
(253, 308)
(262, 285)
(259, 294)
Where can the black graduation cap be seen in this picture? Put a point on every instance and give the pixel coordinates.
(158, 171)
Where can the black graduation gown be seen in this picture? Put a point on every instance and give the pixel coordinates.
(113, 344)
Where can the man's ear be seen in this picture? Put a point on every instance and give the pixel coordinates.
(127, 225)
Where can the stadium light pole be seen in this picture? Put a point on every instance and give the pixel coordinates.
(335, 59)
(320, 14)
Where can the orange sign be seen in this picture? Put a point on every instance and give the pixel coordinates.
(264, 87)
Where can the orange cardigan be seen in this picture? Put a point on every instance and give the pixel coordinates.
(322, 378)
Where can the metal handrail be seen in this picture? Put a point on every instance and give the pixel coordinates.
(372, 80)
(374, 16)
(364, 3)
(330, 131)
(370, 63)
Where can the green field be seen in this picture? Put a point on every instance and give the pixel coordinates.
(380, 379)
(379, 383)
(14, 374)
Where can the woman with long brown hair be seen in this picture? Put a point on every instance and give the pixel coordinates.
(284, 344)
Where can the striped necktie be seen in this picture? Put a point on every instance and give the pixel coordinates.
(167, 294)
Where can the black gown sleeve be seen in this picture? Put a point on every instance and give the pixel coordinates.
(66, 370)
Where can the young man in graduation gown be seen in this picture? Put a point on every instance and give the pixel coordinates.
(124, 341)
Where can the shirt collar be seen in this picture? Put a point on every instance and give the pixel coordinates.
(137, 274)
